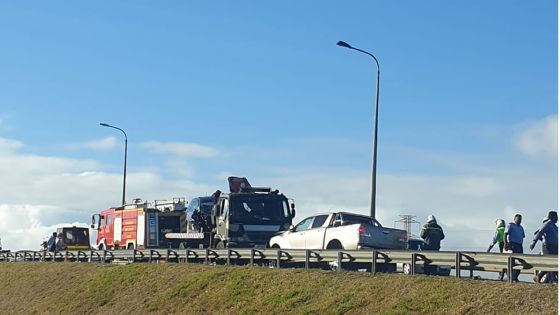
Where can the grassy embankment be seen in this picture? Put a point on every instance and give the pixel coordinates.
(194, 289)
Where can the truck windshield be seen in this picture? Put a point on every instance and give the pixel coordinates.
(259, 211)
(206, 207)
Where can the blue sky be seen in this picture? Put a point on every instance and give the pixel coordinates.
(264, 92)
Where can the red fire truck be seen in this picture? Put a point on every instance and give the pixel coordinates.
(140, 225)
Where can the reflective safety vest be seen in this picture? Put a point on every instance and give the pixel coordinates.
(501, 231)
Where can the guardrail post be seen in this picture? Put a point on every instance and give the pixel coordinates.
(413, 259)
(278, 258)
(307, 254)
(252, 258)
(458, 264)
(339, 260)
(374, 261)
(206, 254)
(510, 269)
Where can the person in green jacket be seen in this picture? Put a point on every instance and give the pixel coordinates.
(499, 238)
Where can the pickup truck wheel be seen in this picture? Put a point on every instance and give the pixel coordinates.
(407, 269)
(334, 244)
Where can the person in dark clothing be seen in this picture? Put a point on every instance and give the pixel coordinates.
(548, 234)
(51, 243)
(514, 236)
(432, 234)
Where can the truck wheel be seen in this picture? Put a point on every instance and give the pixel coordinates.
(334, 244)
(100, 247)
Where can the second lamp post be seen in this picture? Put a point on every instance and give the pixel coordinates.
(125, 151)
(374, 166)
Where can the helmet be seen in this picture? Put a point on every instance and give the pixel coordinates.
(552, 215)
(500, 223)
(431, 218)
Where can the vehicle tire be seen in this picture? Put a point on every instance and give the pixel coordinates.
(407, 269)
(130, 246)
(334, 244)
(275, 246)
(100, 247)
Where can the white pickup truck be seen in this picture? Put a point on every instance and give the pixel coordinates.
(340, 230)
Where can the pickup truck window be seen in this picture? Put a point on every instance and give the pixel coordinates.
(319, 221)
(304, 225)
(348, 219)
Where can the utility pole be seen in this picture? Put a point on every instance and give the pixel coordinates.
(407, 220)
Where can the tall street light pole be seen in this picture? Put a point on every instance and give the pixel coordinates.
(125, 152)
(374, 165)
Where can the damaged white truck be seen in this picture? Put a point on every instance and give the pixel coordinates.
(340, 230)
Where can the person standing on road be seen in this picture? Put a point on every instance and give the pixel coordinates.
(499, 238)
(514, 236)
(432, 234)
(548, 234)
(60, 242)
(51, 243)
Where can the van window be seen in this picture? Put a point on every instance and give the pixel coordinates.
(108, 220)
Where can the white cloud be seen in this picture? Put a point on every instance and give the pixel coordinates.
(539, 138)
(106, 143)
(22, 226)
(181, 149)
(9, 146)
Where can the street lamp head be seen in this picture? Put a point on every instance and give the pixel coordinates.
(104, 124)
(343, 44)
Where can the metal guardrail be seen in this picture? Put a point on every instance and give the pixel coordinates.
(373, 261)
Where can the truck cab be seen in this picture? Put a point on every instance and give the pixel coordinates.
(250, 218)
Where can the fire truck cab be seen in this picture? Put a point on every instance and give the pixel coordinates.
(140, 225)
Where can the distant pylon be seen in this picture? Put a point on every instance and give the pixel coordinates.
(407, 221)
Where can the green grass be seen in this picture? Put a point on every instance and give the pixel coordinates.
(71, 288)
